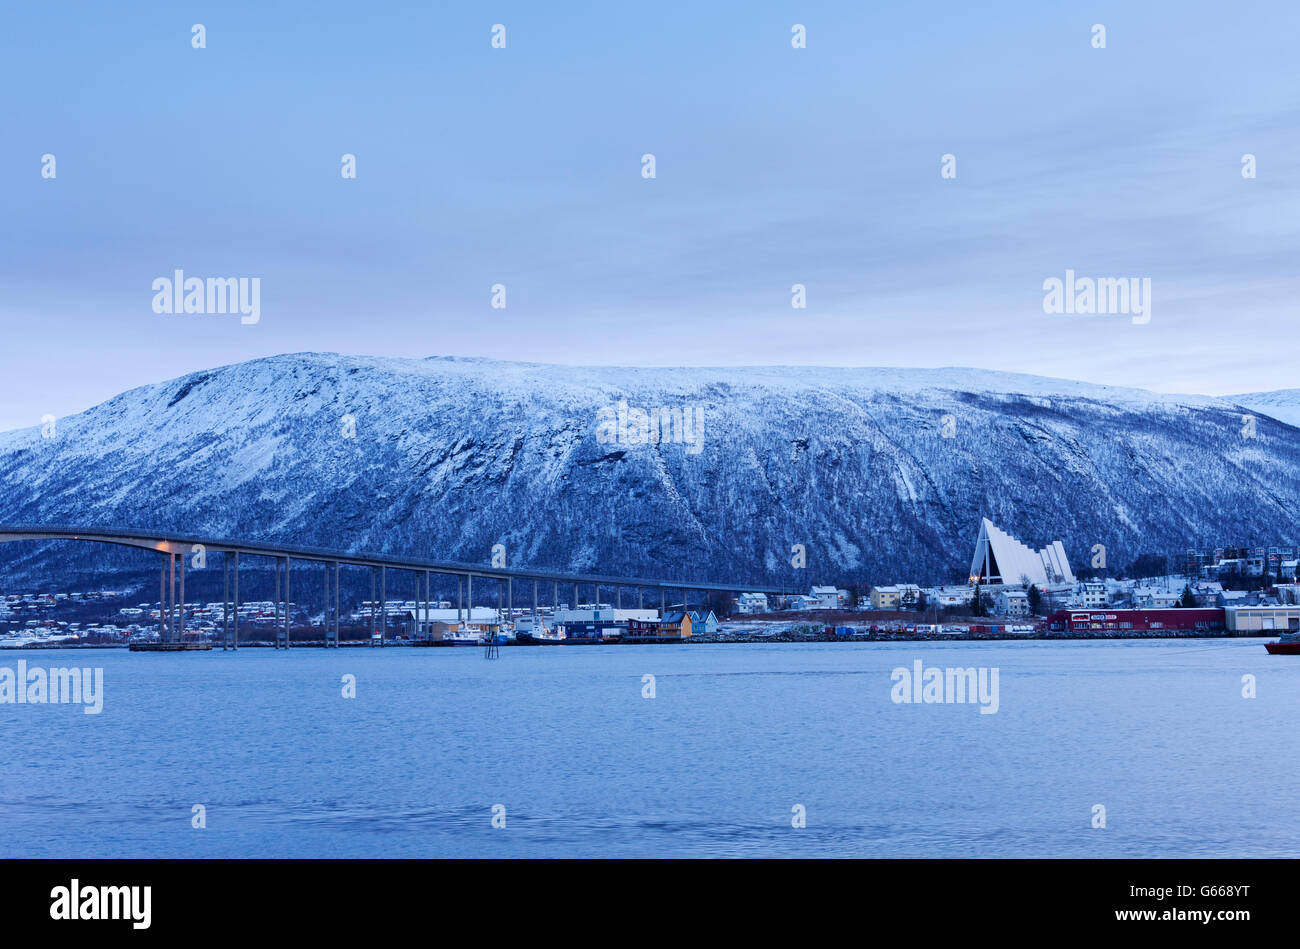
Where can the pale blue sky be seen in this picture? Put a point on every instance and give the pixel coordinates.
(775, 166)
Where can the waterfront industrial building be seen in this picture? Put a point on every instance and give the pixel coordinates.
(1118, 621)
(1262, 619)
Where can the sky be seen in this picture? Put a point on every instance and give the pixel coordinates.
(774, 166)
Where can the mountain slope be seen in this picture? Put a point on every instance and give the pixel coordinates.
(451, 456)
(1283, 404)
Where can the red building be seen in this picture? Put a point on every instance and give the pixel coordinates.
(1096, 621)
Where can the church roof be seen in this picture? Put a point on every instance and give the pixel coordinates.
(1000, 558)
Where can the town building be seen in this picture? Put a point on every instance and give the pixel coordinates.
(599, 621)
(418, 621)
(673, 625)
(950, 596)
(703, 623)
(1206, 592)
(899, 596)
(1012, 603)
(1263, 619)
(1090, 594)
(1288, 593)
(828, 598)
(1113, 621)
(1232, 598)
(1150, 598)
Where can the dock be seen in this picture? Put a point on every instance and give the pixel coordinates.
(172, 647)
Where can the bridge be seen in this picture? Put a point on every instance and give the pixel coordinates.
(173, 548)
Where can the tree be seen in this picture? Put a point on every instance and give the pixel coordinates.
(1148, 565)
(1035, 598)
(722, 604)
(976, 605)
(1188, 599)
(854, 593)
(922, 604)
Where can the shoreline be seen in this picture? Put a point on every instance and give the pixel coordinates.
(720, 640)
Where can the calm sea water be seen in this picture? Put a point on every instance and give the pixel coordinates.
(737, 735)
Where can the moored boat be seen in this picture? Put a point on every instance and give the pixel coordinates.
(533, 632)
(465, 636)
(540, 638)
(1287, 645)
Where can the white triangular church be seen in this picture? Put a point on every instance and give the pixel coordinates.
(1000, 558)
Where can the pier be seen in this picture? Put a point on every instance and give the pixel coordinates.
(195, 646)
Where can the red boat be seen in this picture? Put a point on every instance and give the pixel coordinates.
(1288, 645)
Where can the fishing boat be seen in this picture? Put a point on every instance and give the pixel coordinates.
(541, 637)
(531, 631)
(1287, 645)
(464, 636)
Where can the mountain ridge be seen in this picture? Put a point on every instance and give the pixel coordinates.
(452, 455)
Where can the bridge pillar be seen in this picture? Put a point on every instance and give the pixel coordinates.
(234, 626)
(182, 609)
(327, 628)
(288, 604)
(225, 601)
(383, 606)
(325, 607)
(162, 598)
(279, 604)
(171, 601)
(275, 631)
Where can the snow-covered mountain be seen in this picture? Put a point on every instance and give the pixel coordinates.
(882, 474)
(1282, 404)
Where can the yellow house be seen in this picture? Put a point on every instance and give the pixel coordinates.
(675, 625)
(884, 598)
(894, 597)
